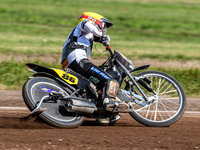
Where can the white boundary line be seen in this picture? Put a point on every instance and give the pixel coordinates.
(13, 108)
(192, 112)
(24, 108)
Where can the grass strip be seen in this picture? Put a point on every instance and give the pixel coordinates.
(165, 29)
(14, 74)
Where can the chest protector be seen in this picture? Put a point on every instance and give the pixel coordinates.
(72, 43)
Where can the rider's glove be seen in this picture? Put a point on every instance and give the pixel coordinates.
(105, 40)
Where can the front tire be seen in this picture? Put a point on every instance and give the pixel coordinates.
(38, 88)
(169, 105)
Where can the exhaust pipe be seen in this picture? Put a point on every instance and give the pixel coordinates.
(80, 106)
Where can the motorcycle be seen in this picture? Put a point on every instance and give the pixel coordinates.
(63, 98)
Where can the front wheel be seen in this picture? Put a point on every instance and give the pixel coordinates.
(168, 105)
(37, 89)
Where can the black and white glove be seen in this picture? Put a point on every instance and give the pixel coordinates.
(105, 40)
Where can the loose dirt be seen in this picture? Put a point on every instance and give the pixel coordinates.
(126, 134)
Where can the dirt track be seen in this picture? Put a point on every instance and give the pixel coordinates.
(125, 134)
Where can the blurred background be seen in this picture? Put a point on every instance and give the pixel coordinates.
(163, 33)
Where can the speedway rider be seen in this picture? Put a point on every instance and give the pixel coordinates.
(76, 54)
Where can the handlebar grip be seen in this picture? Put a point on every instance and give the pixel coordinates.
(108, 47)
(109, 50)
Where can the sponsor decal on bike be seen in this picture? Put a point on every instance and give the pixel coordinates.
(100, 73)
(47, 90)
(69, 78)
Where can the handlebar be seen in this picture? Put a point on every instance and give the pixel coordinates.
(109, 50)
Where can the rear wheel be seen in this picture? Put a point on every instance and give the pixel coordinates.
(38, 88)
(168, 105)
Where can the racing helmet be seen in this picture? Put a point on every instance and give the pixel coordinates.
(97, 19)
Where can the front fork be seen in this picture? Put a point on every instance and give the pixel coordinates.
(138, 87)
(133, 79)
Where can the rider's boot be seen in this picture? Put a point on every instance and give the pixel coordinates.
(109, 120)
(110, 102)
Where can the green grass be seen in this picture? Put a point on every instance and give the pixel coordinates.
(14, 74)
(163, 30)
(188, 78)
(159, 29)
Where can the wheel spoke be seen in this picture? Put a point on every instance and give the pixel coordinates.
(160, 83)
(172, 98)
(169, 92)
(155, 116)
(160, 114)
(168, 107)
(156, 82)
(142, 108)
(143, 112)
(171, 102)
(151, 115)
(148, 111)
(163, 86)
(165, 98)
(165, 108)
(165, 90)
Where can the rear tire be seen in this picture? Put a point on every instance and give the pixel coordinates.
(38, 88)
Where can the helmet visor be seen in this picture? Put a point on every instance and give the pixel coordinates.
(108, 24)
